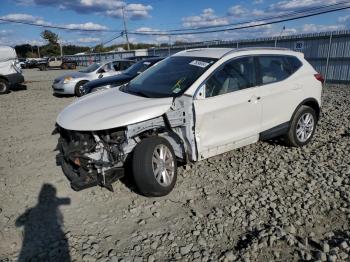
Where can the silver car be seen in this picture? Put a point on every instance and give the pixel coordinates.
(71, 83)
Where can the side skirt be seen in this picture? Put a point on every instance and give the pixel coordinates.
(275, 131)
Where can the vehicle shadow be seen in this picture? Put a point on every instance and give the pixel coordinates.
(43, 237)
(62, 95)
(17, 88)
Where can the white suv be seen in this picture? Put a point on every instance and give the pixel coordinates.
(193, 105)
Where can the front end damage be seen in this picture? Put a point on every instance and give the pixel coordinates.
(91, 158)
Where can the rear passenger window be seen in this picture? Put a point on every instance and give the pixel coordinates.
(294, 63)
(274, 69)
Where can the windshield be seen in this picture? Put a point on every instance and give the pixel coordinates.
(90, 68)
(170, 77)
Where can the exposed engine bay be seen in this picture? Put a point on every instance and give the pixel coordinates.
(90, 158)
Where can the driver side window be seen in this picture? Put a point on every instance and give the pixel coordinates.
(235, 75)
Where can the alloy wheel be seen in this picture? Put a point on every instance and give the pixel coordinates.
(305, 127)
(163, 165)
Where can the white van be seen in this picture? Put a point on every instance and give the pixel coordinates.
(10, 74)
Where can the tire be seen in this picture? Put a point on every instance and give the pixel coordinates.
(77, 90)
(42, 68)
(302, 127)
(4, 87)
(144, 163)
(64, 66)
(73, 66)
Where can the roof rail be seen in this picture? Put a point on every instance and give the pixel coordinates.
(234, 50)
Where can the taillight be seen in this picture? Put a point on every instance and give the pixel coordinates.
(319, 77)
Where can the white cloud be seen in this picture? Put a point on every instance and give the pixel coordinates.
(257, 2)
(237, 11)
(207, 18)
(344, 19)
(26, 18)
(292, 5)
(89, 40)
(313, 28)
(111, 8)
(86, 26)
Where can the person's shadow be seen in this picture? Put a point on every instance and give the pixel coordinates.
(43, 237)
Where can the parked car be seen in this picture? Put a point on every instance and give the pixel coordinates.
(191, 106)
(72, 83)
(118, 80)
(33, 62)
(10, 73)
(56, 62)
(140, 58)
(21, 63)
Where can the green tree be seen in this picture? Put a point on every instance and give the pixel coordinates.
(50, 37)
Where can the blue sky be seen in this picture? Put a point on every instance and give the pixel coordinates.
(157, 15)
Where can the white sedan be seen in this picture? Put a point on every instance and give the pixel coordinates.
(71, 83)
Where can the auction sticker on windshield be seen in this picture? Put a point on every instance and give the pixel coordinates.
(199, 63)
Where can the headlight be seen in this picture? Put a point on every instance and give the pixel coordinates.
(100, 88)
(67, 79)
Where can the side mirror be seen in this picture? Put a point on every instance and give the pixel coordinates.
(200, 94)
(101, 71)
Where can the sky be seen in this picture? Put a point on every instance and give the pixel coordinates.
(157, 15)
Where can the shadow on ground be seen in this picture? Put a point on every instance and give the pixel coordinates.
(43, 237)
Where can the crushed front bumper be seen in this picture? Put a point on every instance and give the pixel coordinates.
(79, 168)
(80, 179)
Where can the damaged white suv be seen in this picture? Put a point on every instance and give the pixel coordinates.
(191, 106)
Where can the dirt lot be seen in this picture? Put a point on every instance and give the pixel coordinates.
(259, 203)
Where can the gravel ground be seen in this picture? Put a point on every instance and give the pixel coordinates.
(262, 202)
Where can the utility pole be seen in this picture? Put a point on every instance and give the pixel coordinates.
(38, 51)
(125, 29)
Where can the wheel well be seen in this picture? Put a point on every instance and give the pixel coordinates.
(314, 105)
(4, 78)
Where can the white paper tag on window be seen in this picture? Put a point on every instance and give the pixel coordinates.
(199, 63)
(146, 63)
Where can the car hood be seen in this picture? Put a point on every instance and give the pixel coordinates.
(108, 81)
(110, 109)
(73, 75)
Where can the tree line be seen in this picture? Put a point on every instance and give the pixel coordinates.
(52, 47)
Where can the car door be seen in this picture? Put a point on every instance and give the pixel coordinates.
(228, 109)
(280, 93)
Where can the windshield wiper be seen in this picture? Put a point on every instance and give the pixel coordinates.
(139, 93)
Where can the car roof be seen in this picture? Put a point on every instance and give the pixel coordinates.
(221, 52)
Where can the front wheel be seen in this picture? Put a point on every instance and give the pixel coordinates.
(302, 127)
(154, 167)
(79, 89)
(4, 87)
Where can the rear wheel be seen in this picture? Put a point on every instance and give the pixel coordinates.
(4, 86)
(154, 167)
(302, 127)
(79, 90)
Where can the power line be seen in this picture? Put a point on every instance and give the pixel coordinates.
(258, 20)
(152, 33)
(247, 21)
(110, 40)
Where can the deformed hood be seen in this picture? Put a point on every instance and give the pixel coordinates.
(110, 109)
